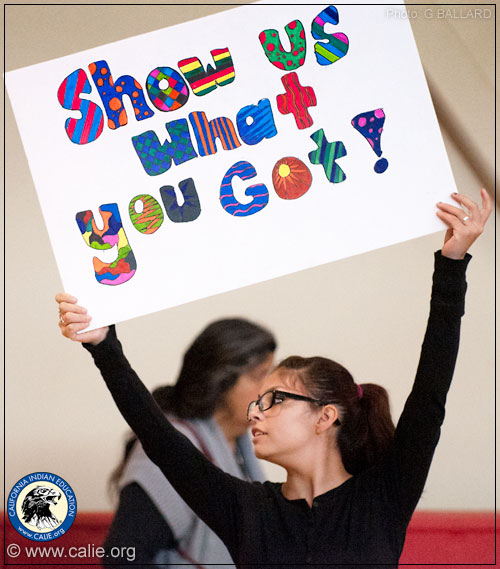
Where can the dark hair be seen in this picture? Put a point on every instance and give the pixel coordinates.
(366, 427)
(212, 364)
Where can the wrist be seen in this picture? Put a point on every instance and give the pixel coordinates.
(453, 256)
(97, 337)
(450, 264)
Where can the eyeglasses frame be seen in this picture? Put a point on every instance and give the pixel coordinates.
(286, 395)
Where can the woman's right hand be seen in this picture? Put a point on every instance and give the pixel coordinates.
(74, 318)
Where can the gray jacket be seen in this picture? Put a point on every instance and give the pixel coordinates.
(196, 541)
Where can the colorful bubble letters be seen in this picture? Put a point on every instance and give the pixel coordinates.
(171, 96)
(112, 92)
(198, 134)
(258, 192)
(203, 82)
(276, 54)
(89, 127)
(189, 210)
(157, 158)
(123, 268)
(326, 154)
(336, 46)
(371, 125)
(150, 215)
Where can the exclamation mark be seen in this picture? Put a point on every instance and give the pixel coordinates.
(371, 125)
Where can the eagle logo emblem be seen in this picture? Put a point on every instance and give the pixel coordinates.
(41, 506)
(36, 507)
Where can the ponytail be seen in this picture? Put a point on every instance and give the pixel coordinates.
(366, 432)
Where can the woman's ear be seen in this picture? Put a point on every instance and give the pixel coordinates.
(328, 416)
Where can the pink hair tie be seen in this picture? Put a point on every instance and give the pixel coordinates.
(360, 390)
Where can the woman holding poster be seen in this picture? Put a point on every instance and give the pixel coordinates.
(353, 480)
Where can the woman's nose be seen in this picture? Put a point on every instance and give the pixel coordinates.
(255, 414)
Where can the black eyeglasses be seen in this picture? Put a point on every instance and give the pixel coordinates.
(275, 397)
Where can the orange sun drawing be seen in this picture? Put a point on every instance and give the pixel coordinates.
(291, 178)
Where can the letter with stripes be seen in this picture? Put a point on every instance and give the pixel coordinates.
(258, 192)
(201, 81)
(256, 122)
(89, 126)
(207, 132)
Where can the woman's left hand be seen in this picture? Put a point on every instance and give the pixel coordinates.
(464, 227)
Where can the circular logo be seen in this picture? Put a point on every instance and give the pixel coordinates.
(41, 506)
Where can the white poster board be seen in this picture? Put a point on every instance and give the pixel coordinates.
(291, 124)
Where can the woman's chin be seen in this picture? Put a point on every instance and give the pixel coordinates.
(260, 452)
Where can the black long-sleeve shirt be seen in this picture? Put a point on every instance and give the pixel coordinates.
(362, 521)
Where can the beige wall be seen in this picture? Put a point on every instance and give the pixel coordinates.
(369, 311)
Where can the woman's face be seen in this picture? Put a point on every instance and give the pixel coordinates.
(287, 428)
(246, 389)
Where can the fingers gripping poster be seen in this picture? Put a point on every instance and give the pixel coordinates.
(229, 150)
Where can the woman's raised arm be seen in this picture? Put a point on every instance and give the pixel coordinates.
(418, 429)
(211, 493)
